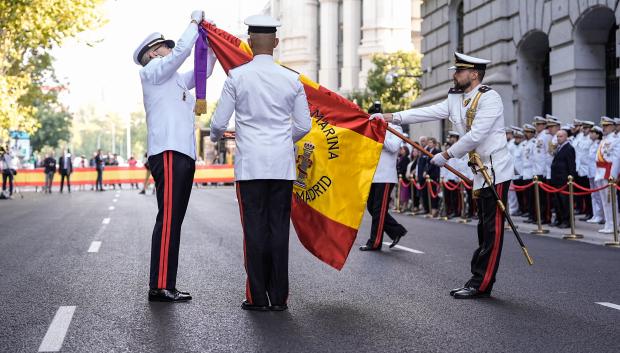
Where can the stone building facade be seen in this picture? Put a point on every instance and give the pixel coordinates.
(548, 56)
(332, 41)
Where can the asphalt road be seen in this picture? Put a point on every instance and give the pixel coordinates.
(389, 301)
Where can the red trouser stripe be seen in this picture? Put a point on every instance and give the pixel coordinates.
(170, 168)
(386, 196)
(248, 293)
(499, 225)
(162, 243)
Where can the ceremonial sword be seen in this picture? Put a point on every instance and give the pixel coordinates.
(478, 162)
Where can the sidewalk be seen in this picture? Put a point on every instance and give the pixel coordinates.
(589, 231)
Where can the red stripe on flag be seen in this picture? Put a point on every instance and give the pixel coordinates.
(226, 48)
(338, 111)
(326, 239)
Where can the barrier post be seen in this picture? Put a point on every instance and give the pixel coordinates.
(397, 206)
(412, 194)
(571, 205)
(462, 193)
(443, 211)
(539, 230)
(428, 196)
(614, 209)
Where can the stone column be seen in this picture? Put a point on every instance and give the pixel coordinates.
(328, 68)
(299, 36)
(351, 27)
(386, 28)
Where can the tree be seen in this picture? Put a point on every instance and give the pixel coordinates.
(398, 94)
(28, 29)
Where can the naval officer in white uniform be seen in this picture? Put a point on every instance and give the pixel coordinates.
(485, 135)
(383, 183)
(271, 115)
(171, 148)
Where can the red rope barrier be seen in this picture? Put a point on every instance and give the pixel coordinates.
(589, 190)
(418, 186)
(403, 184)
(451, 187)
(521, 187)
(551, 189)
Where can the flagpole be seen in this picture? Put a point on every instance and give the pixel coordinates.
(421, 149)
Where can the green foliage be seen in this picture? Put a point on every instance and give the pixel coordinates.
(28, 29)
(401, 92)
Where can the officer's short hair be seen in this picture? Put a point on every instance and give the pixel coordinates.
(480, 74)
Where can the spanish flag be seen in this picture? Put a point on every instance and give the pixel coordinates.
(336, 161)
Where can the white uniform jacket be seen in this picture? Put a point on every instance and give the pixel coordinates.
(271, 113)
(582, 154)
(487, 135)
(607, 156)
(527, 171)
(386, 168)
(592, 158)
(168, 103)
(540, 155)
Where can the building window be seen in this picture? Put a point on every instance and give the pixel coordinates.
(612, 89)
(546, 77)
(459, 27)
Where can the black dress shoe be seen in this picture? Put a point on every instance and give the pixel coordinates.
(471, 293)
(278, 307)
(530, 221)
(564, 225)
(456, 290)
(369, 248)
(168, 295)
(247, 306)
(396, 240)
(555, 224)
(586, 218)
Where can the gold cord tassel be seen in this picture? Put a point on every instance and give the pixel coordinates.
(200, 107)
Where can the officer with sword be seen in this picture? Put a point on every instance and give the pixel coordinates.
(476, 112)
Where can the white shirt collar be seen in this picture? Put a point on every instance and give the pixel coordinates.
(263, 58)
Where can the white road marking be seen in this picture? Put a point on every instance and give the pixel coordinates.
(111, 208)
(105, 221)
(609, 305)
(114, 200)
(117, 195)
(405, 248)
(94, 246)
(55, 336)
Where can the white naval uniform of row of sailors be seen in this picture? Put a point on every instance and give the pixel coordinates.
(515, 152)
(607, 159)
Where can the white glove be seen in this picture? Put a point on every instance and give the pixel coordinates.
(378, 116)
(198, 16)
(439, 160)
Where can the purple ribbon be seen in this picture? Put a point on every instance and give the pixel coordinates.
(200, 64)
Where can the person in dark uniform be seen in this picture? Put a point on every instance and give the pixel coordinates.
(482, 133)
(433, 172)
(380, 190)
(423, 161)
(65, 168)
(271, 115)
(169, 110)
(562, 166)
(49, 168)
